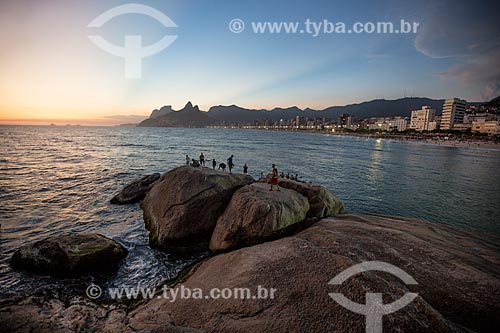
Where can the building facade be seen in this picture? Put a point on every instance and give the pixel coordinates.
(423, 119)
(453, 113)
(490, 127)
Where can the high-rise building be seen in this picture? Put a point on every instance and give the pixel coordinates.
(453, 113)
(345, 121)
(423, 120)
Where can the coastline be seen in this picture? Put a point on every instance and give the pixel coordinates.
(432, 139)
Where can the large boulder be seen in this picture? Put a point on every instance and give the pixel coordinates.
(70, 255)
(181, 210)
(322, 201)
(256, 214)
(135, 191)
(458, 275)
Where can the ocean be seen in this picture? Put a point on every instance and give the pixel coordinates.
(57, 179)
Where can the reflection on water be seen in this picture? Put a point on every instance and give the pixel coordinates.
(60, 179)
(376, 157)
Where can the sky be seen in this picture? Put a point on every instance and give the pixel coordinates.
(51, 72)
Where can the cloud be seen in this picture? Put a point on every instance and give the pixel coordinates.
(467, 33)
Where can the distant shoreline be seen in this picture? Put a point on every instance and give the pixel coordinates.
(436, 139)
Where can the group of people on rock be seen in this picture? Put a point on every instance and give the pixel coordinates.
(221, 166)
(230, 165)
(288, 176)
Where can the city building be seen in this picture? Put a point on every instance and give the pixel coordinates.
(399, 123)
(453, 113)
(423, 119)
(386, 124)
(491, 127)
(470, 118)
(345, 121)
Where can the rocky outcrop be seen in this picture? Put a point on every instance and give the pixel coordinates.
(189, 116)
(256, 214)
(164, 110)
(322, 201)
(136, 190)
(183, 207)
(458, 275)
(70, 255)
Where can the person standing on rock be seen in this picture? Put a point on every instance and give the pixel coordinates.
(214, 163)
(245, 169)
(187, 160)
(202, 159)
(274, 178)
(230, 163)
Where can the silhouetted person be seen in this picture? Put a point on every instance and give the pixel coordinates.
(274, 178)
(230, 163)
(214, 163)
(187, 160)
(202, 159)
(222, 166)
(245, 169)
(195, 163)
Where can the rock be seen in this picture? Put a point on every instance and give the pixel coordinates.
(136, 190)
(256, 214)
(181, 210)
(70, 255)
(322, 201)
(457, 274)
(74, 315)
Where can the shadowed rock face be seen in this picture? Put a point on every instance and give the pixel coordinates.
(322, 202)
(458, 275)
(183, 207)
(70, 255)
(256, 214)
(136, 190)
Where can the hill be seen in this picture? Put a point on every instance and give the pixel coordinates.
(189, 116)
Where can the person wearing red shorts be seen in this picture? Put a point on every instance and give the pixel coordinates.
(274, 178)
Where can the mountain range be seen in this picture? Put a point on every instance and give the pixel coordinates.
(191, 116)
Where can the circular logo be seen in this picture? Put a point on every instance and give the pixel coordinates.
(93, 291)
(236, 26)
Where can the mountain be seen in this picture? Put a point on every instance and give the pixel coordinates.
(384, 108)
(189, 116)
(161, 112)
(234, 113)
(495, 102)
(375, 108)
